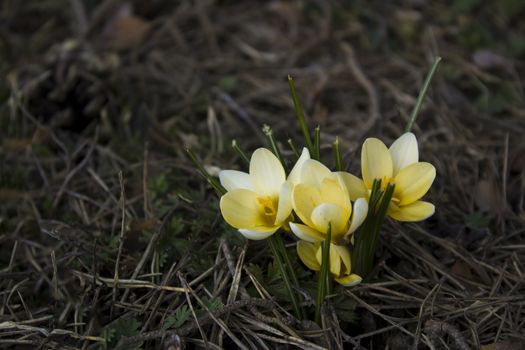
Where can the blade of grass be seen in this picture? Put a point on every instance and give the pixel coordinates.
(272, 243)
(288, 264)
(240, 152)
(422, 95)
(267, 130)
(317, 143)
(211, 180)
(294, 149)
(337, 155)
(300, 116)
(322, 283)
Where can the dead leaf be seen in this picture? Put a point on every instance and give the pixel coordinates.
(461, 269)
(504, 345)
(125, 30)
(489, 59)
(14, 145)
(488, 196)
(139, 225)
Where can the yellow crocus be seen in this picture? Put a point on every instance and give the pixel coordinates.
(398, 165)
(258, 203)
(320, 199)
(340, 261)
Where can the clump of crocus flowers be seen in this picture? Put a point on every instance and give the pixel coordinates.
(335, 216)
(313, 200)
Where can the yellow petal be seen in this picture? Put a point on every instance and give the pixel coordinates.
(376, 162)
(335, 259)
(307, 253)
(284, 208)
(266, 172)
(304, 199)
(360, 212)
(257, 236)
(416, 211)
(234, 179)
(332, 191)
(306, 233)
(327, 213)
(354, 185)
(404, 151)
(349, 280)
(313, 172)
(241, 209)
(295, 175)
(413, 182)
(344, 255)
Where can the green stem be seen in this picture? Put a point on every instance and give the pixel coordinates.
(367, 239)
(211, 180)
(300, 116)
(322, 283)
(240, 152)
(272, 242)
(294, 149)
(337, 155)
(360, 254)
(288, 264)
(422, 94)
(317, 143)
(267, 130)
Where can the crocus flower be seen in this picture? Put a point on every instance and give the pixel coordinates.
(340, 261)
(398, 165)
(321, 200)
(258, 203)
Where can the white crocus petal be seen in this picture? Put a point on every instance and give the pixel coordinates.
(266, 172)
(234, 179)
(314, 172)
(284, 208)
(306, 233)
(256, 236)
(360, 212)
(295, 175)
(404, 151)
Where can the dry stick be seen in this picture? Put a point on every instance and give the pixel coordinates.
(219, 322)
(437, 329)
(121, 239)
(230, 102)
(145, 181)
(420, 316)
(188, 300)
(56, 294)
(245, 295)
(154, 239)
(232, 295)
(377, 313)
(79, 13)
(159, 298)
(373, 99)
(73, 172)
(504, 178)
